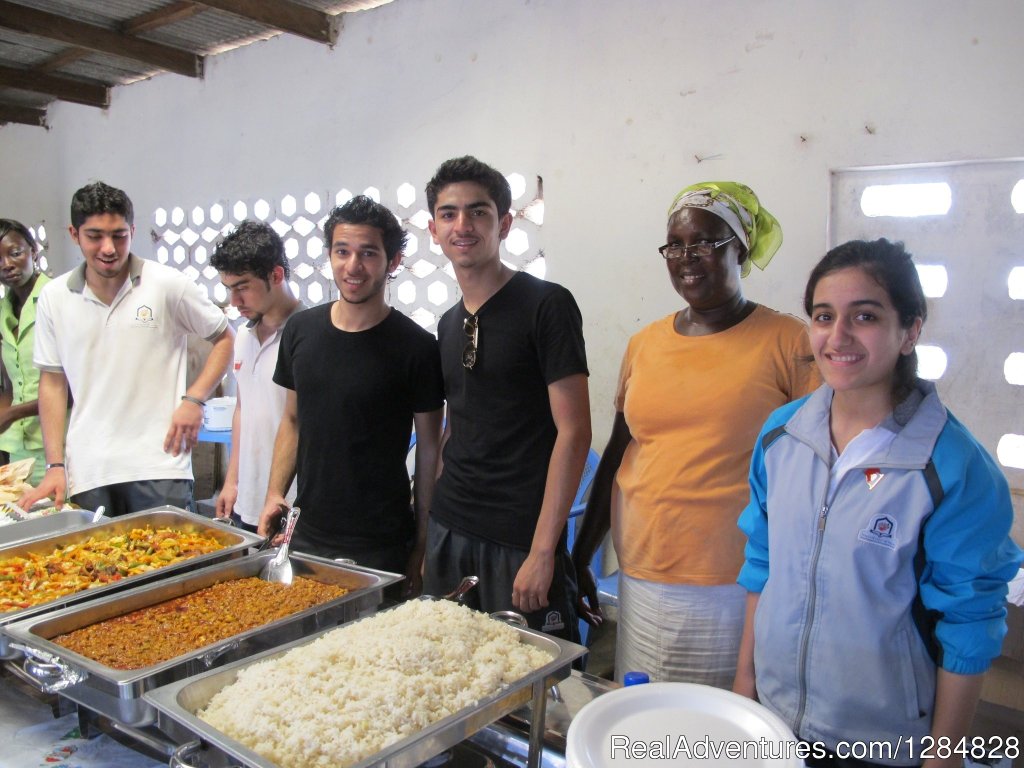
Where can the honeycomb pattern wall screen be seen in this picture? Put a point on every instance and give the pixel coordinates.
(424, 287)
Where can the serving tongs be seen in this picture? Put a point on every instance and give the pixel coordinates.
(11, 510)
(279, 569)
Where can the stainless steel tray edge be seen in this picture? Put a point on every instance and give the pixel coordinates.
(65, 521)
(177, 703)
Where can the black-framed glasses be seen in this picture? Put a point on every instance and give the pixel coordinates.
(471, 327)
(701, 250)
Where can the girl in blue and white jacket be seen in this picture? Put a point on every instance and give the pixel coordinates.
(878, 535)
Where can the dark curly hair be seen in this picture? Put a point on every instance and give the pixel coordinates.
(253, 247)
(365, 210)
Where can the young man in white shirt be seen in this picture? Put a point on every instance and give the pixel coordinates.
(113, 333)
(253, 268)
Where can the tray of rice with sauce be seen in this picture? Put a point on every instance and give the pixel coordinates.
(104, 654)
(399, 687)
(74, 566)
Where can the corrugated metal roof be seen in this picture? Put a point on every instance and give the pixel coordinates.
(53, 61)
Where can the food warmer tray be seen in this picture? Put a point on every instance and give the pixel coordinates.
(236, 541)
(65, 521)
(178, 703)
(117, 693)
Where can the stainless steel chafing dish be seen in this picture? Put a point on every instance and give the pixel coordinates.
(235, 540)
(65, 521)
(117, 693)
(178, 703)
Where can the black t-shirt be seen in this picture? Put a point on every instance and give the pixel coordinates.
(356, 395)
(530, 335)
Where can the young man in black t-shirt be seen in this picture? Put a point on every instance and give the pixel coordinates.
(358, 375)
(518, 428)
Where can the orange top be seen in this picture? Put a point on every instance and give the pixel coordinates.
(694, 405)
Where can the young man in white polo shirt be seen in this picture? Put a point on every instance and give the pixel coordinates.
(253, 268)
(112, 331)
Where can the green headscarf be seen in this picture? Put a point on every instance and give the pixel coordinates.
(738, 206)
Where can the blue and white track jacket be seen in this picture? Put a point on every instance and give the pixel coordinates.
(864, 594)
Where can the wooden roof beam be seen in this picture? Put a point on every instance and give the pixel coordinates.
(12, 113)
(62, 88)
(77, 33)
(62, 59)
(284, 15)
(147, 21)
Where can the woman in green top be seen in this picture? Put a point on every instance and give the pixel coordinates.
(20, 435)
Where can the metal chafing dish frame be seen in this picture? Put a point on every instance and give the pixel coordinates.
(117, 693)
(177, 703)
(236, 540)
(64, 521)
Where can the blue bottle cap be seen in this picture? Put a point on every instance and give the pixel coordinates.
(635, 678)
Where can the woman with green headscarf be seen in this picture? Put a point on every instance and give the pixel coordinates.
(694, 389)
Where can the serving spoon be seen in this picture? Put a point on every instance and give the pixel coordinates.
(467, 583)
(279, 569)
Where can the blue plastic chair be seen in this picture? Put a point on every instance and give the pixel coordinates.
(607, 586)
(579, 504)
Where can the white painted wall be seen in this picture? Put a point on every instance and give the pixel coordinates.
(612, 102)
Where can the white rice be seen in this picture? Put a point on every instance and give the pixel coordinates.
(359, 688)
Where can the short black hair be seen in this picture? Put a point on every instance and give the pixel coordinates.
(10, 225)
(253, 247)
(365, 210)
(98, 198)
(468, 168)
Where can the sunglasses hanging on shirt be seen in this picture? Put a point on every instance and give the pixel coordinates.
(471, 326)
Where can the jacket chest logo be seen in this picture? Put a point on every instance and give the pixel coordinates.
(873, 477)
(880, 531)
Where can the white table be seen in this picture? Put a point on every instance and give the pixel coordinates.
(32, 736)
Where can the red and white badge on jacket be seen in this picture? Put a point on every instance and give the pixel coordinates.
(874, 477)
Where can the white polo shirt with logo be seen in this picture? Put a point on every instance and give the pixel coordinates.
(262, 407)
(125, 365)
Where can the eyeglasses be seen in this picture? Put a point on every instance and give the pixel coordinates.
(701, 250)
(471, 327)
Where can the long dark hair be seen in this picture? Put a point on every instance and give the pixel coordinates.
(893, 268)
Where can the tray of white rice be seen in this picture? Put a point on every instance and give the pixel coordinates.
(399, 687)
